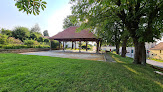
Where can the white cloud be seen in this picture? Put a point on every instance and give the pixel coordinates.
(55, 22)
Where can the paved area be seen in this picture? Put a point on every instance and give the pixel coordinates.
(155, 63)
(70, 54)
(151, 62)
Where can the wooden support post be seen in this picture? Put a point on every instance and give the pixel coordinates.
(59, 45)
(75, 45)
(100, 44)
(72, 45)
(86, 45)
(97, 47)
(63, 45)
(80, 46)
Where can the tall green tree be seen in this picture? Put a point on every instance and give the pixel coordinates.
(30, 6)
(69, 21)
(21, 33)
(36, 28)
(45, 33)
(142, 19)
(6, 32)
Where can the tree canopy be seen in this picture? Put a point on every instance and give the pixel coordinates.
(69, 21)
(30, 6)
(142, 19)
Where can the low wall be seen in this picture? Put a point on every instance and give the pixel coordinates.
(23, 50)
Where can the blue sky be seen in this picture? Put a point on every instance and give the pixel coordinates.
(50, 19)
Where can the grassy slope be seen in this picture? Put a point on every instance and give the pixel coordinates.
(41, 73)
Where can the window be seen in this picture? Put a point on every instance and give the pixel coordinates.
(160, 51)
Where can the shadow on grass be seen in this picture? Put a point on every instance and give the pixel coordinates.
(137, 70)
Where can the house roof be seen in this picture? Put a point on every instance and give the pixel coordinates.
(158, 46)
(71, 33)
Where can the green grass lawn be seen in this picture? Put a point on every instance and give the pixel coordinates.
(158, 60)
(19, 73)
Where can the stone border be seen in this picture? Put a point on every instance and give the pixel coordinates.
(23, 50)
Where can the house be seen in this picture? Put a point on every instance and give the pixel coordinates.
(157, 51)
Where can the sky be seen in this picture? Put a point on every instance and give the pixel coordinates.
(50, 19)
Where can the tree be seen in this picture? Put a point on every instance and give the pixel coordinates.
(30, 6)
(6, 32)
(45, 33)
(36, 29)
(142, 19)
(21, 33)
(40, 39)
(69, 21)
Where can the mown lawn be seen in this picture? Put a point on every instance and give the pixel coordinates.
(19, 73)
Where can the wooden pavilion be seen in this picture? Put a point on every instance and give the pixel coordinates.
(70, 34)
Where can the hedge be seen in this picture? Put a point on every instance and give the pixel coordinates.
(19, 46)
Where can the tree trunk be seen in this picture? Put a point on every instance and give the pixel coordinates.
(140, 52)
(117, 48)
(124, 44)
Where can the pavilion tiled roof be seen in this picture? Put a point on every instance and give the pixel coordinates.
(158, 46)
(71, 33)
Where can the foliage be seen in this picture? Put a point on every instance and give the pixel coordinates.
(21, 33)
(89, 46)
(40, 39)
(12, 40)
(45, 33)
(36, 29)
(6, 32)
(46, 40)
(3, 39)
(54, 44)
(21, 46)
(142, 19)
(30, 6)
(69, 21)
(30, 42)
(33, 36)
(53, 74)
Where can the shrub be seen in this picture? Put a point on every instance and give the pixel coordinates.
(12, 40)
(89, 47)
(14, 46)
(46, 40)
(30, 42)
(54, 44)
(3, 39)
(40, 39)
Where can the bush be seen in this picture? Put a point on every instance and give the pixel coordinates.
(14, 46)
(89, 47)
(54, 44)
(30, 42)
(19, 46)
(40, 39)
(3, 39)
(12, 40)
(46, 40)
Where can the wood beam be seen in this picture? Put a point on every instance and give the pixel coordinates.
(97, 46)
(80, 46)
(63, 45)
(86, 45)
(72, 45)
(59, 45)
(75, 45)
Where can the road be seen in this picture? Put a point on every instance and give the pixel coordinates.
(151, 62)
